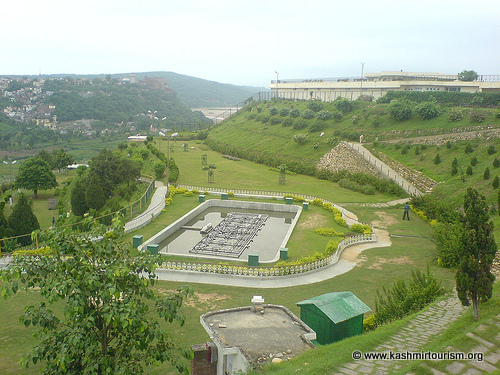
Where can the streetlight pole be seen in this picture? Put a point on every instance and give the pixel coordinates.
(11, 200)
(277, 84)
(168, 155)
(362, 72)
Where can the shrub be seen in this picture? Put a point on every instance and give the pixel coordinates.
(401, 300)
(284, 112)
(317, 126)
(294, 113)
(495, 183)
(308, 114)
(324, 115)
(299, 124)
(360, 228)
(491, 150)
(342, 104)
(496, 163)
(354, 119)
(437, 159)
(328, 232)
(273, 111)
(473, 161)
(469, 171)
(486, 174)
(468, 148)
(476, 116)
(263, 118)
(401, 110)
(454, 170)
(314, 105)
(447, 237)
(456, 115)
(287, 122)
(275, 120)
(337, 116)
(427, 110)
(300, 139)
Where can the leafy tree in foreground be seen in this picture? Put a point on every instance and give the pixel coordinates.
(22, 220)
(35, 174)
(477, 251)
(106, 327)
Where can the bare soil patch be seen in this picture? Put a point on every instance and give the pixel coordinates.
(379, 261)
(385, 220)
(312, 222)
(202, 301)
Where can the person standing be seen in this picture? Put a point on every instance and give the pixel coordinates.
(406, 214)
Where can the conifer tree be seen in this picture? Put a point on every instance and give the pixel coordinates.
(22, 220)
(94, 194)
(477, 249)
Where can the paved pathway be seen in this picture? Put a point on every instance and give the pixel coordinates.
(419, 331)
(346, 263)
(154, 209)
(384, 168)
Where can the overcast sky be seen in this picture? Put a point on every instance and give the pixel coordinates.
(246, 42)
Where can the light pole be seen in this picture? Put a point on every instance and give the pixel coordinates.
(168, 154)
(362, 72)
(277, 84)
(11, 200)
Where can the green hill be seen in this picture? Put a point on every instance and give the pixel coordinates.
(299, 133)
(198, 93)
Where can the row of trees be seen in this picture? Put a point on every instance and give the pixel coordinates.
(107, 171)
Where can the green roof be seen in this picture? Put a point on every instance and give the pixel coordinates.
(338, 306)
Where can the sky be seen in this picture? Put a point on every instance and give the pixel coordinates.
(249, 42)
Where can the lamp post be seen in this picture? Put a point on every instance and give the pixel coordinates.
(277, 84)
(11, 200)
(168, 154)
(362, 72)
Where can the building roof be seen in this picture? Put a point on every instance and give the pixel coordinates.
(338, 306)
(257, 335)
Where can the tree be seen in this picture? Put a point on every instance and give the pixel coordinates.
(22, 220)
(427, 110)
(107, 325)
(467, 75)
(78, 201)
(477, 249)
(61, 159)
(486, 175)
(343, 104)
(94, 193)
(159, 169)
(35, 174)
(401, 110)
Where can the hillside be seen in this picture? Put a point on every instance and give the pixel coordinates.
(197, 92)
(299, 133)
(192, 91)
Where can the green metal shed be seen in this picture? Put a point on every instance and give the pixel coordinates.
(333, 316)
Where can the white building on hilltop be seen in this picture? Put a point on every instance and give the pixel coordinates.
(378, 84)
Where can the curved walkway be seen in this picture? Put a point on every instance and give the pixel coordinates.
(347, 261)
(155, 207)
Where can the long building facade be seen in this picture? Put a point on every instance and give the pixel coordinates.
(377, 85)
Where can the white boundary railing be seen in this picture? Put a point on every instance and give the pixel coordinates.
(265, 271)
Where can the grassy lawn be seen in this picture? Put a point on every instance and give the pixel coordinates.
(244, 174)
(378, 267)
